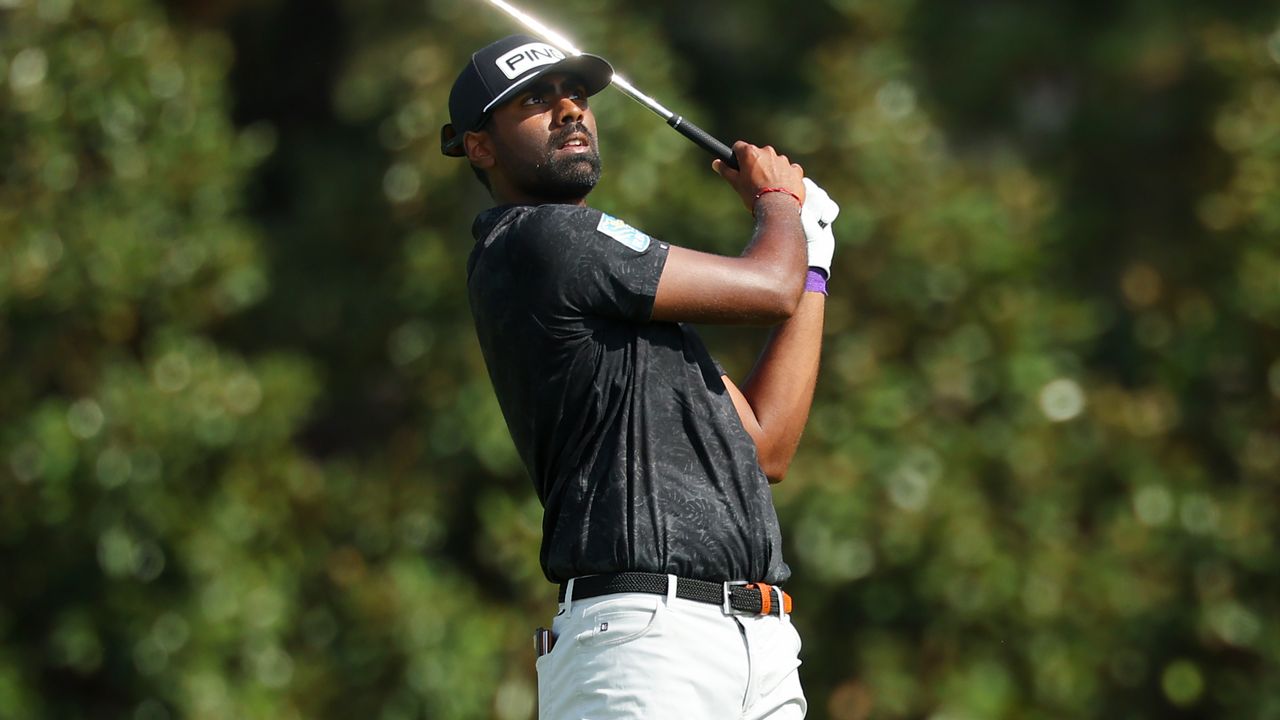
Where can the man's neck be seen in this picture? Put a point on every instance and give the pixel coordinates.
(521, 199)
(504, 194)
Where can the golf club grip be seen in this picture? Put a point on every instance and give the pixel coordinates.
(703, 139)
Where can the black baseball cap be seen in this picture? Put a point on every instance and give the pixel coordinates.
(497, 72)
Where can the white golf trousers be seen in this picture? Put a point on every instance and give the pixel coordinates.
(651, 657)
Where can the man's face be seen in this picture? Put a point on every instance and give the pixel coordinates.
(544, 140)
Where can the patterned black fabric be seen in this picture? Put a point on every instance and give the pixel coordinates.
(625, 425)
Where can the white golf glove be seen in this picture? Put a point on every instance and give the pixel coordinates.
(817, 215)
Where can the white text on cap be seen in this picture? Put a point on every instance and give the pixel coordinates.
(526, 57)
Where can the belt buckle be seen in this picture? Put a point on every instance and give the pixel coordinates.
(725, 606)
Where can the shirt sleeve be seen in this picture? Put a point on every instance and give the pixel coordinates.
(593, 264)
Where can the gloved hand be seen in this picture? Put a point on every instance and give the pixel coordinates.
(817, 215)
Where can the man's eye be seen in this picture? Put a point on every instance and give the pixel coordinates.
(577, 94)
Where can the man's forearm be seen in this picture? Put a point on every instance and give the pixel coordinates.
(761, 286)
(780, 388)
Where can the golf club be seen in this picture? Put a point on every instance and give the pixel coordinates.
(700, 137)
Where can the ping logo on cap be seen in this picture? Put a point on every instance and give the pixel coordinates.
(526, 57)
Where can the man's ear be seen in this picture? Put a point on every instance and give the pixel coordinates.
(479, 148)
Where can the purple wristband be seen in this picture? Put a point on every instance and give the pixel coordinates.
(815, 281)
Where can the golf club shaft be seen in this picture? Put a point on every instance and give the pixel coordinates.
(700, 137)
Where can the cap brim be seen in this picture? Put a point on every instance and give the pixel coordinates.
(595, 71)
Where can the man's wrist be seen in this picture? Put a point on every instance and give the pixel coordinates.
(776, 195)
(816, 281)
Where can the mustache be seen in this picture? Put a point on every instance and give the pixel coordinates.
(559, 137)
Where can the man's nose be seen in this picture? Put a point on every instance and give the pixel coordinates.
(568, 110)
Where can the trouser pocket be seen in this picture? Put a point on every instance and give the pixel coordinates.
(617, 623)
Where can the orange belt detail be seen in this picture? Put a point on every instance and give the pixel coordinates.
(766, 598)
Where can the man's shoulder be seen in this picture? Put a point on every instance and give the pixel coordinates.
(589, 224)
(534, 220)
(559, 219)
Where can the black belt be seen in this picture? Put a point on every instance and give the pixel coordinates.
(749, 598)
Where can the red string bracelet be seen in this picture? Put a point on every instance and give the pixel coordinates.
(766, 191)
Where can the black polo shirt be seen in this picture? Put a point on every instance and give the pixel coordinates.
(625, 425)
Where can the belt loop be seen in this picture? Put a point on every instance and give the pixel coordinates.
(782, 605)
(671, 589)
(568, 596)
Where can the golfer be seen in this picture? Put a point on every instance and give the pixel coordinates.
(652, 466)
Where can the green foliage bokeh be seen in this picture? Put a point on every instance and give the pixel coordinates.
(251, 465)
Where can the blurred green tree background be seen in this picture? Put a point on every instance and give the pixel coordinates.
(251, 465)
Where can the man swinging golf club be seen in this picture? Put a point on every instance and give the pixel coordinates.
(652, 466)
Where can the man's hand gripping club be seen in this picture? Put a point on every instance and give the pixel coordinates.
(817, 216)
(762, 169)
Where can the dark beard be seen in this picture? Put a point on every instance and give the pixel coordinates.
(565, 179)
